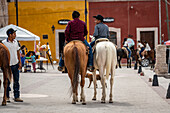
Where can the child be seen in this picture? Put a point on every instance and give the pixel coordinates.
(22, 60)
(33, 61)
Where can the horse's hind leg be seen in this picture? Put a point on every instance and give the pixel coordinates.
(82, 88)
(130, 62)
(111, 83)
(127, 62)
(94, 82)
(74, 93)
(119, 62)
(5, 87)
(103, 85)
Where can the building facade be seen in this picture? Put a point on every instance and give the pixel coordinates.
(47, 19)
(132, 17)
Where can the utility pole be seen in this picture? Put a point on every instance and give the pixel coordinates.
(16, 5)
(167, 19)
(86, 14)
(160, 21)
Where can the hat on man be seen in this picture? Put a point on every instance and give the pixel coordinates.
(99, 17)
(10, 31)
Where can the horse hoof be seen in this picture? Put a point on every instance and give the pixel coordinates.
(94, 99)
(3, 104)
(73, 102)
(84, 103)
(103, 102)
(110, 101)
(81, 100)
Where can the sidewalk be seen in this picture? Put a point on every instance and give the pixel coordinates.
(163, 82)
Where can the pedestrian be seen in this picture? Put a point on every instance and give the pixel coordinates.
(22, 60)
(101, 30)
(77, 30)
(15, 63)
(33, 58)
(141, 48)
(125, 44)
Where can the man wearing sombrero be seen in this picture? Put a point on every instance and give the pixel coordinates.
(101, 30)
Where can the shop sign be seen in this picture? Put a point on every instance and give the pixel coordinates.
(63, 21)
(108, 20)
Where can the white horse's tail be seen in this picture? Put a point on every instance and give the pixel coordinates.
(108, 60)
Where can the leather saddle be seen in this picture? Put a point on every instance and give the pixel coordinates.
(97, 41)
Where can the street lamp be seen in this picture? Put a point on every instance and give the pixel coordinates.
(16, 5)
(53, 28)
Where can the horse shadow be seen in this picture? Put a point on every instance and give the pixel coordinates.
(98, 104)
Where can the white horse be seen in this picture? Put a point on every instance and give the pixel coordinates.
(105, 59)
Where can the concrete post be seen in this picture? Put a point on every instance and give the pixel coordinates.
(161, 67)
(3, 13)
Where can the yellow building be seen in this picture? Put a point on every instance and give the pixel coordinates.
(39, 17)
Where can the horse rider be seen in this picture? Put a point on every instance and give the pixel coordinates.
(147, 47)
(77, 30)
(125, 44)
(101, 30)
(142, 48)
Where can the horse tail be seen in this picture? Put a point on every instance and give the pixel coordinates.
(108, 61)
(76, 68)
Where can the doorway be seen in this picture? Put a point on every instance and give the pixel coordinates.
(59, 42)
(148, 36)
(149, 32)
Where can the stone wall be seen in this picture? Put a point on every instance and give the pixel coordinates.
(3, 13)
(161, 67)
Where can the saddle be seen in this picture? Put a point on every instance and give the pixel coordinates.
(97, 41)
(126, 51)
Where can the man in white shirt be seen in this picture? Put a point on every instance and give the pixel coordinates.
(142, 48)
(15, 63)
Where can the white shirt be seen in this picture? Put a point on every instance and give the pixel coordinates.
(140, 45)
(126, 44)
(147, 48)
(13, 48)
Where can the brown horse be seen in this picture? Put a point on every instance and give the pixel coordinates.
(75, 58)
(150, 55)
(4, 64)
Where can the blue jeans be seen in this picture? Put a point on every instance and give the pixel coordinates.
(16, 86)
(142, 49)
(90, 56)
(129, 51)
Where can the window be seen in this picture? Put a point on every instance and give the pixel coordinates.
(45, 36)
(113, 37)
